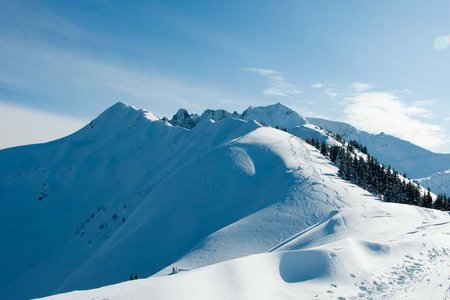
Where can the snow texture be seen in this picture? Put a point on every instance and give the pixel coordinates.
(370, 251)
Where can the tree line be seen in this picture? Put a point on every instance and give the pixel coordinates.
(368, 173)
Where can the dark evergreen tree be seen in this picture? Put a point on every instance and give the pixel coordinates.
(427, 199)
(324, 149)
(371, 175)
(439, 203)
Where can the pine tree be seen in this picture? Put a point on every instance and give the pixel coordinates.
(439, 203)
(427, 199)
(371, 175)
(324, 149)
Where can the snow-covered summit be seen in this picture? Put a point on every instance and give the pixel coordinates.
(274, 115)
(121, 111)
(119, 116)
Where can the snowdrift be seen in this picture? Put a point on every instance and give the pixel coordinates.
(371, 251)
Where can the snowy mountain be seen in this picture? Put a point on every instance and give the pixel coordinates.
(131, 193)
(406, 157)
(217, 115)
(184, 119)
(129, 187)
(439, 182)
(369, 251)
(274, 115)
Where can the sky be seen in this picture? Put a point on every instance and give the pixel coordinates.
(382, 66)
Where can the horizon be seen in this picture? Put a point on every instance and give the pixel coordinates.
(381, 67)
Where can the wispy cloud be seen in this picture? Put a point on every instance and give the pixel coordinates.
(372, 109)
(65, 65)
(65, 75)
(317, 85)
(326, 89)
(360, 87)
(32, 19)
(385, 112)
(442, 42)
(23, 125)
(331, 93)
(278, 86)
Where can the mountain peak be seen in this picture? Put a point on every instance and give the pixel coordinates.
(121, 115)
(274, 115)
(184, 119)
(119, 104)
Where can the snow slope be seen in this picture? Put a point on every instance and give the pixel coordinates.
(439, 182)
(406, 157)
(369, 251)
(63, 201)
(130, 193)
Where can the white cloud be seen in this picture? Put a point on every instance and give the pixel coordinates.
(360, 87)
(330, 93)
(441, 42)
(317, 85)
(22, 125)
(277, 84)
(385, 112)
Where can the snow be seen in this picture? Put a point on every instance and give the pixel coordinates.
(131, 194)
(274, 115)
(369, 251)
(309, 131)
(129, 187)
(439, 182)
(184, 119)
(216, 115)
(404, 156)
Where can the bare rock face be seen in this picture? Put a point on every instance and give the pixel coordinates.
(184, 119)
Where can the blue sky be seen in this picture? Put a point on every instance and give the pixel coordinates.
(380, 65)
